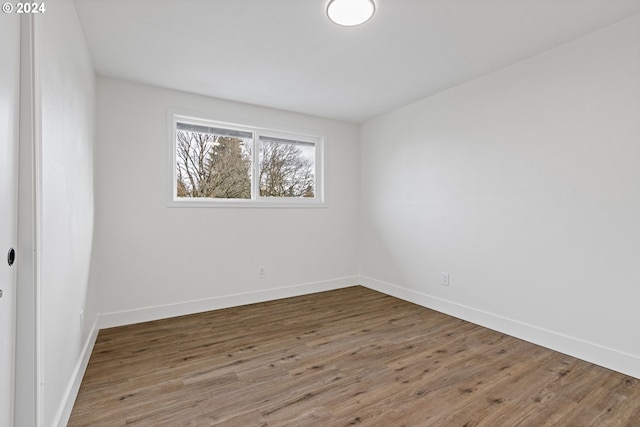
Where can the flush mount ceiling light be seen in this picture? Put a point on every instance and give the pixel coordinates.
(350, 12)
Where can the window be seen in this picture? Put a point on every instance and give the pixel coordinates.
(220, 164)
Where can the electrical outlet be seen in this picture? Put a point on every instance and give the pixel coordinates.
(262, 272)
(444, 279)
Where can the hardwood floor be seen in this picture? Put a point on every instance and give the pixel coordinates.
(340, 358)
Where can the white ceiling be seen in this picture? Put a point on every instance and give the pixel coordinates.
(286, 54)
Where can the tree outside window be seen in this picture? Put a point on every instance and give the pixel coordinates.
(215, 162)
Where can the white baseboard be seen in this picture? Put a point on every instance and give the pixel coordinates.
(109, 320)
(71, 393)
(625, 363)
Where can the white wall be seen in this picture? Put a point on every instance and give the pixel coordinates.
(25, 393)
(523, 185)
(152, 260)
(66, 83)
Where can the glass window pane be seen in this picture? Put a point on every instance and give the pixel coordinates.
(212, 162)
(287, 168)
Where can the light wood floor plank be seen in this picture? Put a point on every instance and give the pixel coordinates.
(346, 357)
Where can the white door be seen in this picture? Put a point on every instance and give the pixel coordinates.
(9, 106)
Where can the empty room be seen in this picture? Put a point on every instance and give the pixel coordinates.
(320, 213)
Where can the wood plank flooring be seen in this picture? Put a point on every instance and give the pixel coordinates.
(340, 358)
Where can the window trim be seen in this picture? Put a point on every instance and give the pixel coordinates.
(256, 201)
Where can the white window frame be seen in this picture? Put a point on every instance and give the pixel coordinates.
(319, 199)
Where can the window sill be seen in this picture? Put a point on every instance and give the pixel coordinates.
(222, 203)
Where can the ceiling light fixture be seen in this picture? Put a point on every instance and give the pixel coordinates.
(350, 12)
